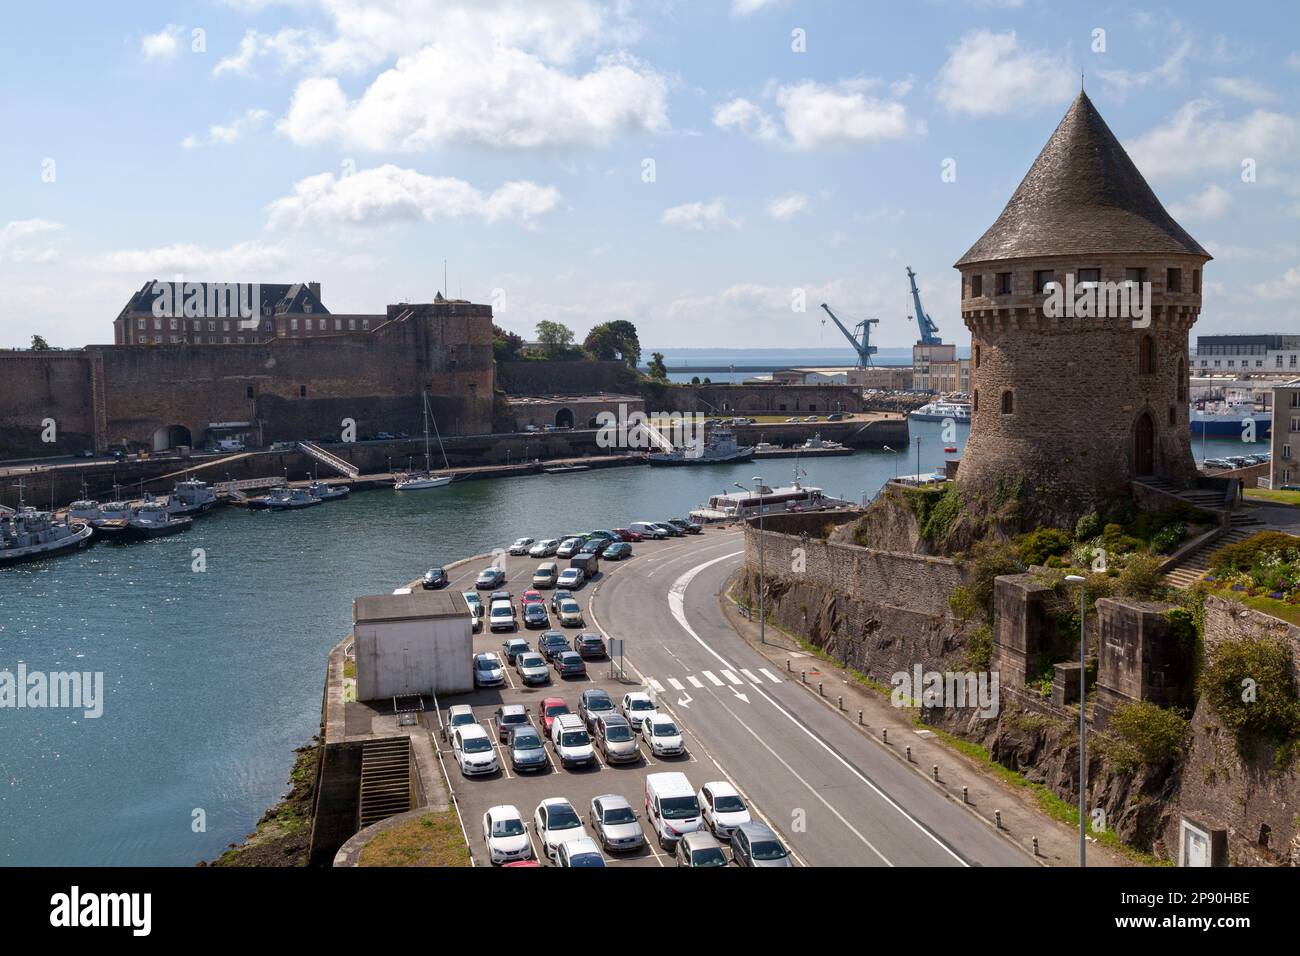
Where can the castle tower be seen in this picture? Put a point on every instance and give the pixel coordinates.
(1079, 399)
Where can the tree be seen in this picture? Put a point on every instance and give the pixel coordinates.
(39, 344)
(658, 370)
(555, 338)
(614, 340)
(506, 345)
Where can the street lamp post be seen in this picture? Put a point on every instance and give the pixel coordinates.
(918, 461)
(894, 454)
(762, 569)
(1083, 699)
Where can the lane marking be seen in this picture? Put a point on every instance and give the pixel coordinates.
(712, 678)
(658, 687)
(677, 605)
(732, 677)
(695, 682)
(751, 675)
(770, 676)
(676, 684)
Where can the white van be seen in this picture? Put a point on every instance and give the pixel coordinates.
(671, 807)
(501, 616)
(571, 740)
(648, 530)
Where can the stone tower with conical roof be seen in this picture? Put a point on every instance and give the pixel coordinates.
(1079, 299)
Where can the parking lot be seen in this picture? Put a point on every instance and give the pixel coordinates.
(578, 785)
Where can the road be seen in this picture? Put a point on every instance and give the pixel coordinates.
(836, 796)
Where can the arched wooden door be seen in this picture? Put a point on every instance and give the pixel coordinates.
(1144, 446)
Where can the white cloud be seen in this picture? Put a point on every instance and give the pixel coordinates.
(990, 73)
(244, 258)
(1120, 83)
(226, 133)
(700, 216)
(23, 228)
(162, 45)
(814, 115)
(785, 208)
(288, 48)
(1285, 287)
(1225, 252)
(389, 194)
(1210, 203)
(1199, 138)
(1243, 88)
(502, 97)
(743, 8)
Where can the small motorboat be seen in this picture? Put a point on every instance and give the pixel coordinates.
(327, 492)
(291, 499)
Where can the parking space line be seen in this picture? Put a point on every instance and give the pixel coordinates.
(712, 678)
(496, 745)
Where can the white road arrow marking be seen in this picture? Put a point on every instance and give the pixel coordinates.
(740, 695)
(685, 700)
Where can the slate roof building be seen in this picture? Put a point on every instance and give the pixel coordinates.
(1079, 299)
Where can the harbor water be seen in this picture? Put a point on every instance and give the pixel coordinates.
(213, 677)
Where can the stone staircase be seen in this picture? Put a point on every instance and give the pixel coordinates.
(1194, 566)
(385, 780)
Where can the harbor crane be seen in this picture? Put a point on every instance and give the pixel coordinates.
(929, 331)
(860, 336)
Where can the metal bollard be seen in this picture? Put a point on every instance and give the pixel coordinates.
(997, 819)
(935, 770)
(1035, 846)
(884, 734)
(859, 718)
(841, 701)
(821, 689)
(909, 753)
(803, 675)
(788, 667)
(965, 794)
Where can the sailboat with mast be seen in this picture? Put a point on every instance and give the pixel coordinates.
(418, 482)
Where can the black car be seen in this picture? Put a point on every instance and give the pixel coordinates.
(499, 596)
(618, 551)
(552, 643)
(681, 524)
(569, 664)
(594, 546)
(591, 704)
(589, 645)
(434, 579)
(672, 529)
(835, 417)
(535, 615)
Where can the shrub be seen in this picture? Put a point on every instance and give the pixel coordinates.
(989, 559)
(1243, 555)
(1042, 543)
(1141, 577)
(1168, 538)
(1249, 684)
(979, 649)
(936, 509)
(1087, 527)
(1116, 541)
(1148, 734)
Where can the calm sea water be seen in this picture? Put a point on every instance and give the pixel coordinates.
(213, 678)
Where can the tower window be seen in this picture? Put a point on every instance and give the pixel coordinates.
(248, 392)
(1042, 279)
(1004, 283)
(1135, 276)
(975, 401)
(1196, 281)
(1182, 380)
(977, 356)
(1088, 275)
(1008, 402)
(1173, 280)
(1173, 414)
(1147, 356)
(302, 391)
(976, 286)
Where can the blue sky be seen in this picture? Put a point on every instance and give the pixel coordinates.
(360, 144)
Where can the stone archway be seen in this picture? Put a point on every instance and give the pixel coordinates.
(1144, 446)
(564, 418)
(172, 436)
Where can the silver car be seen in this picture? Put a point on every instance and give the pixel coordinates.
(508, 717)
(526, 749)
(615, 739)
(532, 668)
(615, 825)
(754, 844)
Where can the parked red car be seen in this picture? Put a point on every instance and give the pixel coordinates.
(625, 535)
(552, 707)
(531, 596)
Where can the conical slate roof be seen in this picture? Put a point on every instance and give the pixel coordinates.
(1082, 196)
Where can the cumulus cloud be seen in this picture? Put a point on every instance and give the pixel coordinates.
(24, 228)
(162, 45)
(989, 73)
(743, 8)
(1285, 287)
(814, 115)
(1210, 203)
(389, 194)
(1200, 138)
(244, 258)
(784, 208)
(288, 48)
(503, 97)
(700, 216)
(1120, 83)
(223, 134)
(13, 241)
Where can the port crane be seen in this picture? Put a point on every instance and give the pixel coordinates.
(929, 331)
(860, 337)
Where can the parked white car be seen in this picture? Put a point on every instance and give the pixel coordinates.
(556, 823)
(473, 751)
(506, 835)
(723, 807)
(583, 852)
(521, 545)
(661, 735)
(636, 706)
(544, 548)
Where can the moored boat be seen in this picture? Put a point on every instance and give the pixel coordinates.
(27, 534)
(327, 492)
(153, 519)
(192, 497)
(939, 411)
(291, 499)
(718, 448)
